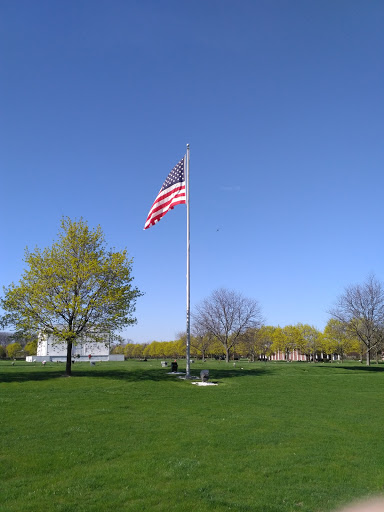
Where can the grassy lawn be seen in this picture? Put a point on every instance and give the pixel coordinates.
(128, 437)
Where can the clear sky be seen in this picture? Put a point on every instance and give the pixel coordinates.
(282, 104)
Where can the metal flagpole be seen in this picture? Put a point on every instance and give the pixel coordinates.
(188, 356)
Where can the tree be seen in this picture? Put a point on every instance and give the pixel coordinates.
(128, 350)
(279, 341)
(118, 349)
(5, 338)
(177, 348)
(360, 309)
(225, 315)
(138, 350)
(201, 345)
(23, 337)
(134, 350)
(3, 352)
(13, 349)
(31, 348)
(156, 349)
(287, 339)
(311, 340)
(201, 341)
(257, 342)
(293, 340)
(336, 339)
(77, 289)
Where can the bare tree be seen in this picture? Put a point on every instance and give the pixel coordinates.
(5, 338)
(225, 315)
(361, 310)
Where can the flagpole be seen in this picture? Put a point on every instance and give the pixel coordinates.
(188, 356)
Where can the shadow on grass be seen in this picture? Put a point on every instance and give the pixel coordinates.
(25, 374)
(355, 368)
(18, 375)
(219, 374)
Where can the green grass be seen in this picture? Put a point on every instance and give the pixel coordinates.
(128, 437)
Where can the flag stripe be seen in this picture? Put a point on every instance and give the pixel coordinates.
(158, 213)
(156, 218)
(163, 197)
(171, 194)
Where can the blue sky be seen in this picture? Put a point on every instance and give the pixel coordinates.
(282, 104)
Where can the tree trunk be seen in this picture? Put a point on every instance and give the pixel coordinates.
(68, 369)
(368, 357)
(227, 354)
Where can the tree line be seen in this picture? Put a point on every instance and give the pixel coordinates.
(226, 325)
(260, 343)
(256, 343)
(79, 289)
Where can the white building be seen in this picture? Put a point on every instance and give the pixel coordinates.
(51, 349)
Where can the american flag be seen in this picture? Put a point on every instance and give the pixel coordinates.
(172, 193)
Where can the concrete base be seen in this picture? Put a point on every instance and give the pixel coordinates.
(204, 383)
(81, 359)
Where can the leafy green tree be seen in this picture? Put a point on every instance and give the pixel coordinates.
(161, 349)
(13, 349)
(117, 349)
(309, 340)
(156, 350)
(146, 351)
(216, 349)
(279, 341)
(337, 340)
(257, 342)
(287, 339)
(3, 352)
(128, 350)
(293, 339)
(74, 290)
(176, 349)
(168, 349)
(138, 350)
(31, 348)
